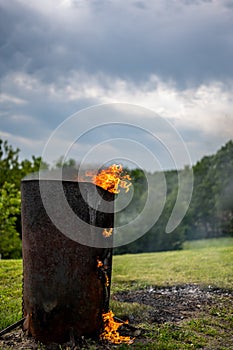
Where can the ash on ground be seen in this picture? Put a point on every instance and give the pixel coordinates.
(171, 304)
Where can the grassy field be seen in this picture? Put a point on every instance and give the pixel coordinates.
(208, 243)
(10, 292)
(210, 266)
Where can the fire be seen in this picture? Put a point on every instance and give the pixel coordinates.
(99, 263)
(111, 178)
(101, 266)
(107, 232)
(106, 281)
(110, 332)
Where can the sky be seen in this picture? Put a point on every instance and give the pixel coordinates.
(147, 63)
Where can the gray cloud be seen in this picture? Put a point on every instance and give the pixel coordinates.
(57, 57)
(189, 42)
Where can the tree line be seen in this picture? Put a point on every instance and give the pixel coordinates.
(12, 170)
(210, 213)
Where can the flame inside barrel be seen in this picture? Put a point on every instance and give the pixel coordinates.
(111, 179)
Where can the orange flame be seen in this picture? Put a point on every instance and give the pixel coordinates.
(101, 266)
(99, 263)
(106, 281)
(111, 333)
(107, 232)
(111, 178)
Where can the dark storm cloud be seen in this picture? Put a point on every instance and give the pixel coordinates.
(189, 42)
(57, 57)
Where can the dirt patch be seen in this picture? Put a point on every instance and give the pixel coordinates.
(167, 304)
(172, 304)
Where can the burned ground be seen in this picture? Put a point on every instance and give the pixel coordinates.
(155, 308)
(173, 303)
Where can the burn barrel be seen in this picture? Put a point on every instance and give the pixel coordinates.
(64, 289)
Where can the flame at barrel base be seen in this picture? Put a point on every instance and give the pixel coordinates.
(111, 333)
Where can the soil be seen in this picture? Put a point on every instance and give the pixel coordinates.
(172, 304)
(168, 304)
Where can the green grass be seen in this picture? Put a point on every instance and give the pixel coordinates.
(209, 243)
(210, 330)
(208, 266)
(211, 265)
(10, 292)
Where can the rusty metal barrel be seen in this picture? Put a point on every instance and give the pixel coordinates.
(64, 290)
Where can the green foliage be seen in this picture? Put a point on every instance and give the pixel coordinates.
(10, 243)
(11, 173)
(156, 239)
(11, 169)
(211, 210)
(9, 162)
(62, 163)
(210, 213)
(31, 166)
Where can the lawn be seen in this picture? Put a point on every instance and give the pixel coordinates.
(10, 292)
(211, 265)
(206, 264)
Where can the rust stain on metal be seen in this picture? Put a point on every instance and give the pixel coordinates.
(62, 289)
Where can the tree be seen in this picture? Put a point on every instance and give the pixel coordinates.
(10, 243)
(62, 163)
(12, 171)
(211, 210)
(9, 163)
